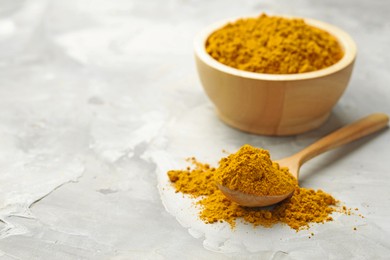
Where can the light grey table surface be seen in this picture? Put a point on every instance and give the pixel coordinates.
(93, 92)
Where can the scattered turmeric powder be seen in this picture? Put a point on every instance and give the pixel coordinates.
(197, 182)
(274, 45)
(304, 207)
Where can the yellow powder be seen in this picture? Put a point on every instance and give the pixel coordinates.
(251, 171)
(274, 45)
(304, 207)
(197, 182)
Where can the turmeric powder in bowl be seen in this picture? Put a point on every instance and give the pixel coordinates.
(273, 45)
(259, 102)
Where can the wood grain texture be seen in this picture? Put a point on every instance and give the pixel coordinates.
(344, 135)
(349, 133)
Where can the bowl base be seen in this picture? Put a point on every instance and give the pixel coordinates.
(281, 130)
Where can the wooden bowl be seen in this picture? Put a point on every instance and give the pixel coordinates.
(274, 104)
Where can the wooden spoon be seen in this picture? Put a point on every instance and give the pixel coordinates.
(344, 135)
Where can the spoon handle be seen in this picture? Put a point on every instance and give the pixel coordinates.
(365, 126)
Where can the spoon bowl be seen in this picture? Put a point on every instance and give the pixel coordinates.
(344, 135)
(249, 200)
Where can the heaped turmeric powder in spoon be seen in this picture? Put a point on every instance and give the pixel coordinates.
(249, 175)
(251, 179)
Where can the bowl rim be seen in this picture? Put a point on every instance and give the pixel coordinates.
(345, 40)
